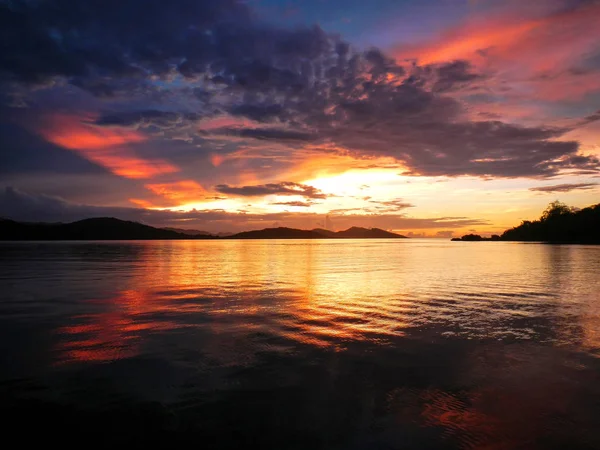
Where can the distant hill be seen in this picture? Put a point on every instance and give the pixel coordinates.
(324, 232)
(102, 228)
(278, 233)
(188, 232)
(367, 233)
(108, 228)
(317, 233)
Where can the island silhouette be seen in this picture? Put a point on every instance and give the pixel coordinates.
(109, 228)
(559, 223)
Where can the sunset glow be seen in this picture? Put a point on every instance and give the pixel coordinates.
(300, 224)
(484, 113)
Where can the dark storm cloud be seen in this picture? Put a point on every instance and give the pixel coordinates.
(284, 188)
(268, 134)
(18, 205)
(454, 75)
(259, 112)
(307, 84)
(89, 40)
(564, 187)
(162, 119)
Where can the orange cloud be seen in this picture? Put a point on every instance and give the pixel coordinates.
(537, 51)
(463, 42)
(180, 192)
(226, 122)
(217, 159)
(104, 146)
(141, 203)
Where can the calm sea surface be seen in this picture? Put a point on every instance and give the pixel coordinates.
(332, 344)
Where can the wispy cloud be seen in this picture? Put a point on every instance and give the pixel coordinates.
(283, 188)
(544, 47)
(107, 147)
(297, 204)
(564, 187)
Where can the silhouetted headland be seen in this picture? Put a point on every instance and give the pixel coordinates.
(102, 228)
(106, 228)
(317, 233)
(559, 223)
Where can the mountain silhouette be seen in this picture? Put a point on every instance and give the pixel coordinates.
(102, 228)
(108, 228)
(278, 233)
(366, 233)
(317, 233)
(325, 232)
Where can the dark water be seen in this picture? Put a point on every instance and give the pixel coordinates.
(348, 344)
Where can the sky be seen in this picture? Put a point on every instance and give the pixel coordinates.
(430, 118)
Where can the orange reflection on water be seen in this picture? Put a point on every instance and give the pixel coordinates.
(325, 294)
(110, 335)
(292, 289)
(508, 408)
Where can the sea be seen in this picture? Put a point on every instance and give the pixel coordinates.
(301, 344)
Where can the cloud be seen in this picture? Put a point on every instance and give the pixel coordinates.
(260, 112)
(283, 188)
(144, 118)
(454, 75)
(537, 51)
(590, 119)
(107, 147)
(299, 204)
(18, 205)
(390, 205)
(564, 187)
(89, 44)
(190, 63)
(266, 134)
(179, 192)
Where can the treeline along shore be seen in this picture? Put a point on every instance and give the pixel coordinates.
(559, 223)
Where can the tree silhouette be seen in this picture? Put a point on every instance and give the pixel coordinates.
(560, 223)
(556, 209)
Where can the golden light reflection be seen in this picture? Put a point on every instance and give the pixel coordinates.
(318, 293)
(292, 294)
